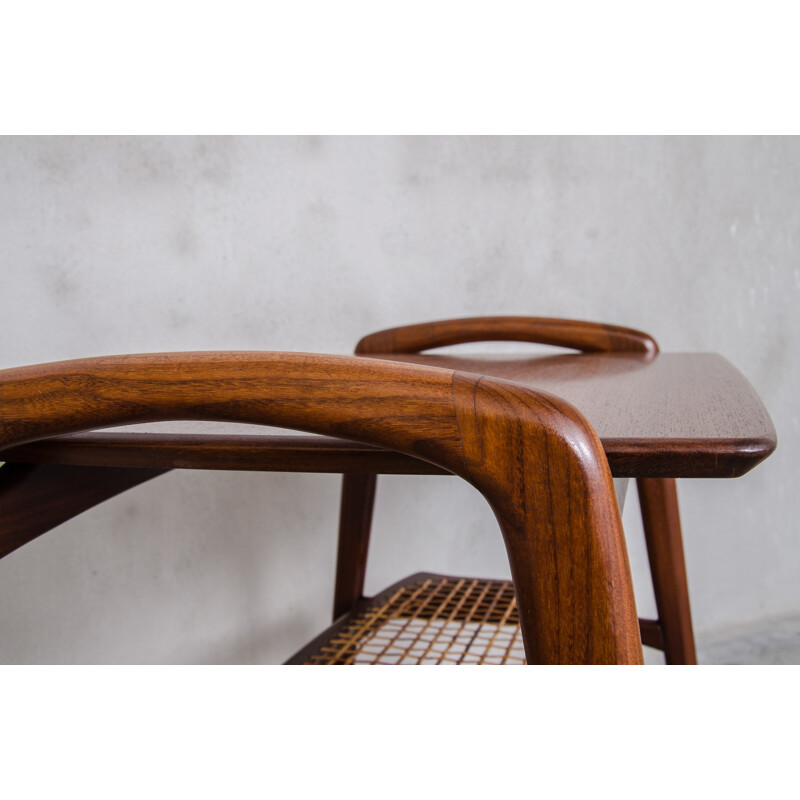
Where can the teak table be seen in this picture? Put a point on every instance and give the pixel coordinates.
(657, 416)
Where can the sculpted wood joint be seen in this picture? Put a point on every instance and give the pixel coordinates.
(534, 458)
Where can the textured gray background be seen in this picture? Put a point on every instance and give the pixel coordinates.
(117, 245)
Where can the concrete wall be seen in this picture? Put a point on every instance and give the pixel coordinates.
(114, 245)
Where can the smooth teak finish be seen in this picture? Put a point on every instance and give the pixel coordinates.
(535, 459)
(708, 422)
(677, 415)
(252, 451)
(354, 528)
(355, 519)
(627, 412)
(658, 499)
(588, 337)
(702, 412)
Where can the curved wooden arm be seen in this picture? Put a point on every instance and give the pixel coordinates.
(534, 458)
(358, 490)
(589, 337)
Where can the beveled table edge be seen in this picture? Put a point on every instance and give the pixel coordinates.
(628, 458)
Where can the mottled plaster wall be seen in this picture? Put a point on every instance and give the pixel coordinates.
(113, 245)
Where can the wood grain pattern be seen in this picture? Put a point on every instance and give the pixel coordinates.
(588, 337)
(354, 527)
(693, 402)
(683, 415)
(533, 457)
(657, 417)
(243, 452)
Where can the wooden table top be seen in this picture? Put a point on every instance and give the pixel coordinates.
(669, 415)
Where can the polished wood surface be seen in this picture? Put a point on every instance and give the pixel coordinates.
(588, 337)
(685, 415)
(658, 499)
(355, 518)
(254, 451)
(692, 407)
(682, 415)
(535, 459)
(354, 527)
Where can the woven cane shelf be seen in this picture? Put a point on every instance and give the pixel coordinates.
(426, 619)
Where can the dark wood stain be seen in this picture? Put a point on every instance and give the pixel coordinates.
(682, 415)
(657, 416)
(523, 450)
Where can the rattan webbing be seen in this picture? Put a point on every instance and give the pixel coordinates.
(433, 621)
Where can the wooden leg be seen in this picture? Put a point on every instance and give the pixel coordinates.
(658, 499)
(35, 498)
(544, 472)
(355, 523)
